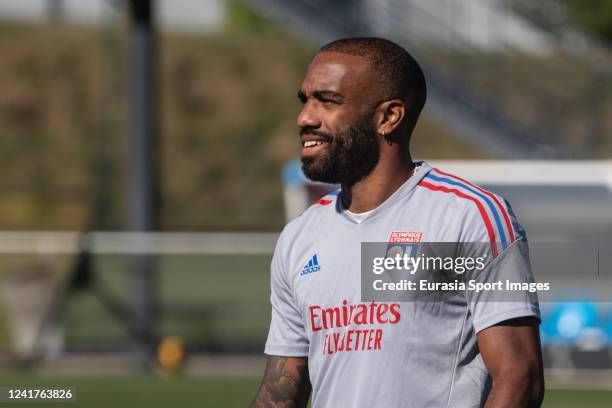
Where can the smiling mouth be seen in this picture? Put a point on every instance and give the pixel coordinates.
(312, 143)
(312, 146)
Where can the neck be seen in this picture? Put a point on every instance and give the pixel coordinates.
(373, 190)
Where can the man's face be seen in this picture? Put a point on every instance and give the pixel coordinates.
(339, 142)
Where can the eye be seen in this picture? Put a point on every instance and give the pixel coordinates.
(302, 97)
(329, 102)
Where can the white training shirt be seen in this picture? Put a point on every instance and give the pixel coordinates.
(405, 354)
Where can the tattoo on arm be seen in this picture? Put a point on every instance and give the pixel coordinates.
(285, 384)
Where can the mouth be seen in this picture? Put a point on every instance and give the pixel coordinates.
(312, 145)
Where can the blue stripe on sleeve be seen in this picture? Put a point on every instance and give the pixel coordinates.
(479, 194)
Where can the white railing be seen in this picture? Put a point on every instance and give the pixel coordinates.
(162, 243)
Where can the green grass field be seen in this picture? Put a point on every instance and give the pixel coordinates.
(214, 303)
(211, 302)
(151, 392)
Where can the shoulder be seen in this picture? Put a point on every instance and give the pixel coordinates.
(449, 188)
(308, 223)
(481, 210)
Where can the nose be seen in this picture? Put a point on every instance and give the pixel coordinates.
(308, 116)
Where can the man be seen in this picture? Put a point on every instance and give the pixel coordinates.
(361, 100)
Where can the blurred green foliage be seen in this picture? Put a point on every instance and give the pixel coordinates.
(227, 110)
(593, 15)
(241, 18)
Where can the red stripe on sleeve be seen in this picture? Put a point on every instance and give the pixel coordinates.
(481, 209)
(501, 207)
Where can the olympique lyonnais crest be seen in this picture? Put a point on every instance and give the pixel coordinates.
(404, 242)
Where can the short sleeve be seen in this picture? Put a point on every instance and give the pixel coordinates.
(507, 252)
(287, 335)
(491, 307)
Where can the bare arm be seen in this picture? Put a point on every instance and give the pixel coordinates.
(285, 384)
(512, 353)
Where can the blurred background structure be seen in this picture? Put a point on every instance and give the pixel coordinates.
(513, 84)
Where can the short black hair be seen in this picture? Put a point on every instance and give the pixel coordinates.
(398, 69)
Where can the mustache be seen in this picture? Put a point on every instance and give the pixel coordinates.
(327, 137)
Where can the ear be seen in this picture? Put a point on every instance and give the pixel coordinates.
(391, 114)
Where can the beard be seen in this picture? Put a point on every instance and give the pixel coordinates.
(350, 156)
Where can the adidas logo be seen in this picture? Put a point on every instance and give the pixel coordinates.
(311, 266)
